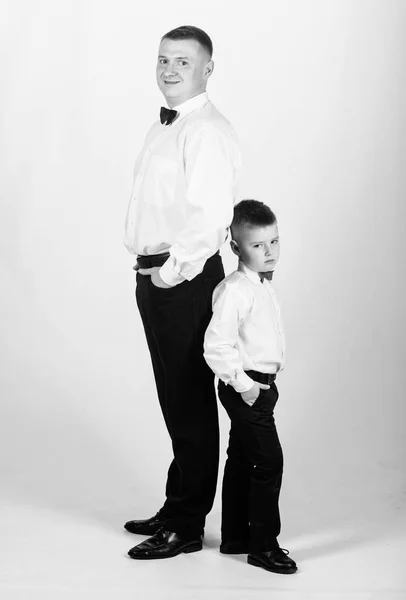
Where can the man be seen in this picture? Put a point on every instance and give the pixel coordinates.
(180, 208)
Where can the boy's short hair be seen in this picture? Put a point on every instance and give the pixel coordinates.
(189, 32)
(252, 213)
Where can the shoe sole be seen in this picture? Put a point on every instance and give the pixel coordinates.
(145, 532)
(194, 547)
(255, 563)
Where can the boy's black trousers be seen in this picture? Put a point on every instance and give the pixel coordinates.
(175, 321)
(253, 471)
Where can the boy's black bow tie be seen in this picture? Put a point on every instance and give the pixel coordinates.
(167, 115)
(265, 275)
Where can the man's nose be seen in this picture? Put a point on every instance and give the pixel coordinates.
(170, 69)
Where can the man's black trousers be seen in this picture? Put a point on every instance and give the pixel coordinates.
(253, 471)
(175, 321)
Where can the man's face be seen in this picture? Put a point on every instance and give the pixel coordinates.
(182, 71)
(257, 247)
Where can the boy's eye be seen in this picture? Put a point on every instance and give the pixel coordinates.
(162, 61)
(257, 245)
(183, 63)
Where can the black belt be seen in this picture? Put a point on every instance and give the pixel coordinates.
(154, 260)
(261, 377)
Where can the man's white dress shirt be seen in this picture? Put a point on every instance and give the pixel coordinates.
(185, 188)
(245, 332)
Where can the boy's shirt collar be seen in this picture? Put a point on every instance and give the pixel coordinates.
(252, 275)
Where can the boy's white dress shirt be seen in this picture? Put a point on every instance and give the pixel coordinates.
(245, 332)
(185, 188)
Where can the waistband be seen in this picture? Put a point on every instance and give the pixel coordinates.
(152, 260)
(155, 260)
(261, 377)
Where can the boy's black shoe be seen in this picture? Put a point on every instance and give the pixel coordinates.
(145, 526)
(276, 561)
(236, 547)
(164, 544)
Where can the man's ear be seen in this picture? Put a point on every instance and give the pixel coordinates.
(209, 68)
(234, 247)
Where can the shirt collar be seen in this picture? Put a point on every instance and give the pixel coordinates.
(252, 275)
(190, 105)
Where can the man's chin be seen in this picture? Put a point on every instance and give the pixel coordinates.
(170, 90)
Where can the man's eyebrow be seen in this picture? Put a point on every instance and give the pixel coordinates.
(177, 57)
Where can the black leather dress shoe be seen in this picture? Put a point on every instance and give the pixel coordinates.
(236, 547)
(146, 526)
(276, 561)
(164, 544)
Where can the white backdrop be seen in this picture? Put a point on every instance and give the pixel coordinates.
(316, 92)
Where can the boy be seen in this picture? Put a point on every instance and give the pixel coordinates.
(244, 346)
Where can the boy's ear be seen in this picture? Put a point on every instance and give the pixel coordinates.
(234, 247)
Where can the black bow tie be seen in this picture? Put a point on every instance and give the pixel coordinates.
(265, 275)
(167, 115)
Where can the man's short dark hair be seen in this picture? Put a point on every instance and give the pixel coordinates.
(189, 32)
(252, 213)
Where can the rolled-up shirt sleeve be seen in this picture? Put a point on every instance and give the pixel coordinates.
(221, 349)
(211, 163)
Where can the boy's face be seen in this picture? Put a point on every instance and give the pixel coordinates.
(257, 247)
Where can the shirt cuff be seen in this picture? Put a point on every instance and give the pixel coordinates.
(241, 382)
(169, 275)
